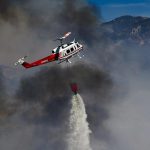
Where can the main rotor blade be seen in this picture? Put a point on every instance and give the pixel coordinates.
(66, 35)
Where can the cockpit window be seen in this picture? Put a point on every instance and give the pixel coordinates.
(72, 49)
(68, 51)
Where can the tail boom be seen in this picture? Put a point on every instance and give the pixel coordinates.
(42, 61)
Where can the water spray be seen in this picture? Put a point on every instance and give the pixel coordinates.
(79, 131)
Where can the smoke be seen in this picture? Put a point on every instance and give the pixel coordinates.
(40, 109)
(79, 129)
(6, 108)
(42, 104)
(35, 118)
(129, 120)
(29, 27)
(2, 94)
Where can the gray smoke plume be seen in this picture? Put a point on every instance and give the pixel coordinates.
(42, 105)
(2, 94)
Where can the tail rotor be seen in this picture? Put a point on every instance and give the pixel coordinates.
(20, 61)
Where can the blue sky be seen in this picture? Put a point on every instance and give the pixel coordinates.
(111, 9)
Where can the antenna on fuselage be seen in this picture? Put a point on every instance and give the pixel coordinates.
(62, 38)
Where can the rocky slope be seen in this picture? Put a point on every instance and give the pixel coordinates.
(135, 29)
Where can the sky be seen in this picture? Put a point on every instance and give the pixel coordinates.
(112, 9)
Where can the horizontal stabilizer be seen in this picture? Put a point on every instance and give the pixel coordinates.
(20, 61)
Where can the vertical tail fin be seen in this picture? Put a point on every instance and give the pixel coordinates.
(23, 63)
(20, 61)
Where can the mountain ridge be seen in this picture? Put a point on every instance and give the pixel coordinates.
(136, 29)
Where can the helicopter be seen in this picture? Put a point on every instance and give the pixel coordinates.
(61, 53)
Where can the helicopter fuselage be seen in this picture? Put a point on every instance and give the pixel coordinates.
(66, 51)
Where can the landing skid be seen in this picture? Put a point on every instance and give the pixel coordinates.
(65, 60)
(68, 59)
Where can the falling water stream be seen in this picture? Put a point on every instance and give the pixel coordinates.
(79, 132)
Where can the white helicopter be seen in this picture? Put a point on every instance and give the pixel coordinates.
(61, 53)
